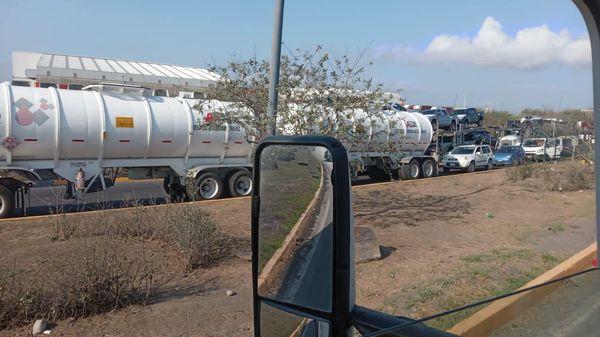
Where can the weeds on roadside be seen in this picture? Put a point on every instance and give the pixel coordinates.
(556, 227)
(520, 172)
(99, 277)
(196, 235)
(187, 228)
(566, 178)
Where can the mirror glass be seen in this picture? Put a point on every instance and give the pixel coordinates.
(275, 322)
(295, 235)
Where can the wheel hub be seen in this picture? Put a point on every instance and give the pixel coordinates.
(208, 188)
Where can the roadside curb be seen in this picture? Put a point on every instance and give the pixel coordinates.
(486, 320)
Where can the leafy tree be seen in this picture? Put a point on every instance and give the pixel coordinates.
(318, 93)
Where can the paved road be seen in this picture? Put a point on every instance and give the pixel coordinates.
(308, 280)
(46, 200)
(571, 311)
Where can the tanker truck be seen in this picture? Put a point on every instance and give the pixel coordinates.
(82, 135)
(78, 135)
(394, 146)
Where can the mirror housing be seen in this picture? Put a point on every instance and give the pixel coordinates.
(342, 292)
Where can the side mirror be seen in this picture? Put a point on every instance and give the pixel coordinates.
(302, 238)
(303, 245)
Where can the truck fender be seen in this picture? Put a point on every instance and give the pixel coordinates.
(406, 160)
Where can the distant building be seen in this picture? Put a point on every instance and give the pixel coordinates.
(75, 72)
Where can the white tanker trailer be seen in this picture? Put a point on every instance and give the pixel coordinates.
(75, 135)
(47, 133)
(395, 145)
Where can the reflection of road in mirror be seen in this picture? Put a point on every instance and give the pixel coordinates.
(306, 279)
(315, 329)
(275, 322)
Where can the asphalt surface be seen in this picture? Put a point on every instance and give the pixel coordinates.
(308, 280)
(49, 200)
(573, 310)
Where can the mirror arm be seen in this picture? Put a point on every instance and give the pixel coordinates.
(367, 321)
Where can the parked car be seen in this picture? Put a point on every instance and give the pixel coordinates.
(538, 149)
(468, 158)
(440, 118)
(509, 155)
(468, 116)
(479, 137)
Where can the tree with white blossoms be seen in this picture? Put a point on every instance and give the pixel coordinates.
(318, 94)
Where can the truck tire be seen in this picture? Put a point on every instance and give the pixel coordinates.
(471, 167)
(240, 183)
(7, 198)
(453, 126)
(208, 187)
(377, 174)
(489, 165)
(429, 168)
(410, 171)
(434, 125)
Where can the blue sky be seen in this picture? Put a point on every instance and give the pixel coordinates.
(425, 48)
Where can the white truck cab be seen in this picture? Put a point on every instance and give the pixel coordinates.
(538, 149)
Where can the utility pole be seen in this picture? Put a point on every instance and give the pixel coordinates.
(274, 73)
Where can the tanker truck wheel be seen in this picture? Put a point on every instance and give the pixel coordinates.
(240, 184)
(208, 186)
(429, 168)
(409, 171)
(7, 198)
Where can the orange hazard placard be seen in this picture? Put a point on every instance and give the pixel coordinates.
(124, 122)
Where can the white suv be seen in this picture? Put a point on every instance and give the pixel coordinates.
(468, 158)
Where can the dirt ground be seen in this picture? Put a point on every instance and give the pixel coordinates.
(446, 241)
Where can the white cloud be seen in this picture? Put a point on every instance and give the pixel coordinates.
(530, 48)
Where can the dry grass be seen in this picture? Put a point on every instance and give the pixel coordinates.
(103, 263)
(520, 172)
(97, 277)
(497, 271)
(558, 176)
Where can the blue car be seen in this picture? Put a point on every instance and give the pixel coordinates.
(509, 155)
